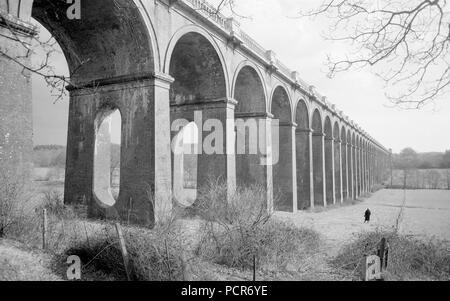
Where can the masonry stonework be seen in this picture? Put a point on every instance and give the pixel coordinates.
(158, 61)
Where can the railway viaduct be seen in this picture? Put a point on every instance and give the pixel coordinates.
(157, 61)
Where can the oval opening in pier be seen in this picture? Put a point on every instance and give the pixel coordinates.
(185, 165)
(107, 157)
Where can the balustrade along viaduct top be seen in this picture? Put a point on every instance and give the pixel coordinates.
(164, 64)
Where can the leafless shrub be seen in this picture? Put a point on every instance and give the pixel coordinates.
(409, 258)
(12, 203)
(53, 202)
(155, 255)
(240, 228)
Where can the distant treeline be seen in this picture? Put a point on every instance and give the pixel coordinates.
(55, 155)
(49, 156)
(48, 147)
(410, 159)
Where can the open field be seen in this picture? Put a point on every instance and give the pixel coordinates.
(422, 214)
(425, 214)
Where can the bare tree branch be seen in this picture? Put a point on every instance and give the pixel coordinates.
(407, 40)
(36, 58)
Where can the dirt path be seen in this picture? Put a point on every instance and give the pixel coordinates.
(20, 264)
(426, 214)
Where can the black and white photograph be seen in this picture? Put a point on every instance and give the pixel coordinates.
(210, 142)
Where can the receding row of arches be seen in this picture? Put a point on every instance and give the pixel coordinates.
(318, 162)
(293, 153)
(343, 164)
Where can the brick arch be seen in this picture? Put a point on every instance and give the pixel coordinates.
(329, 160)
(249, 89)
(303, 153)
(195, 29)
(280, 104)
(318, 160)
(198, 71)
(317, 122)
(256, 75)
(302, 118)
(337, 161)
(283, 181)
(103, 45)
(251, 123)
(344, 161)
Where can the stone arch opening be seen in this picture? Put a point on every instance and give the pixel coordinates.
(112, 40)
(283, 188)
(251, 127)
(358, 164)
(302, 148)
(318, 159)
(350, 164)
(371, 165)
(198, 72)
(337, 162)
(344, 164)
(106, 180)
(366, 166)
(249, 91)
(110, 60)
(354, 168)
(198, 94)
(329, 161)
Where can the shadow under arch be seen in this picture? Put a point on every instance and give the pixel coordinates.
(337, 162)
(252, 124)
(350, 172)
(354, 167)
(302, 147)
(196, 30)
(257, 74)
(358, 165)
(344, 164)
(318, 141)
(111, 40)
(283, 170)
(328, 131)
(199, 94)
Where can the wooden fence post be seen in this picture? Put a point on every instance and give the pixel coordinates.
(254, 267)
(123, 249)
(44, 229)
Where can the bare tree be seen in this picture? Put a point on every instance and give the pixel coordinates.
(407, 161)
(435, 178)
(35, 56)
(446, 164)
(409, 40)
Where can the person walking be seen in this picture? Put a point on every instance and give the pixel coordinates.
(367, 216)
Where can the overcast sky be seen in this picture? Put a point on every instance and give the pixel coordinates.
(299, 43)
